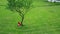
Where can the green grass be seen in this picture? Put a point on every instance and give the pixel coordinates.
(41, 19)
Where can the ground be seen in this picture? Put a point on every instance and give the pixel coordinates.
(42, 18)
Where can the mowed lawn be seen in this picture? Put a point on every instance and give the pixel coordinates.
(42, 18)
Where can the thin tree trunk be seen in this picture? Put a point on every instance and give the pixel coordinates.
(22, 20)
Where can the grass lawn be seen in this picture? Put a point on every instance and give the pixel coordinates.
(42, 18)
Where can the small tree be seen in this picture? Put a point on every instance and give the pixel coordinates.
(20, 6)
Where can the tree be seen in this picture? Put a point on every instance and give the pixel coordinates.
(20, 6)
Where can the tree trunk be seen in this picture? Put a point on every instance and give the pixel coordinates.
(22, 20)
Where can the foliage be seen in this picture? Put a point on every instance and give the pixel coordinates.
(20, 6)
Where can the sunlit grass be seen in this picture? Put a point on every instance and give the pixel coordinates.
(41, 19)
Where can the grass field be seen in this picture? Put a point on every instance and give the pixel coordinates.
(42, 18)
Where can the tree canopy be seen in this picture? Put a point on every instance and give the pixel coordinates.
(20, 6)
